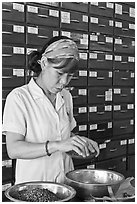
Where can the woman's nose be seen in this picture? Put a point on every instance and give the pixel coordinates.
(64, 79)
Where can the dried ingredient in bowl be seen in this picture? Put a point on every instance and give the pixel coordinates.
(35, 195)
(126, 195)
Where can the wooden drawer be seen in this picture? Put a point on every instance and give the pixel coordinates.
(100, 129)
(118, 164)
(123, 62)
(12, 78)
(74, 20)
(110, 149)
(77, 6)
(80, 114)
(131, 163)
(79, 95)
(99, 95)
(13, 11)
(81, 129)
(101, 42)
(83, 59)
(123, 95)
(13, 56)
(123, 111)
(124, 28)
(13, 33)
(123, 78)
(124, 12)
(100, 78)
(101, 25)
(131, 146)
(100, 112)
(6, 170)
(102, 8)
(100, 60)
(124, 45)
(123, 126)
(40, 36)
(39, 15)
(80, 78)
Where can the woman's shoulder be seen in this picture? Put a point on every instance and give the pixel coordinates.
(17, 92)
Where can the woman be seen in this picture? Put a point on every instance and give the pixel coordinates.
(38, 117)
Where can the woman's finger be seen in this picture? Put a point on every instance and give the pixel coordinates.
(94, 145)
(78, 142)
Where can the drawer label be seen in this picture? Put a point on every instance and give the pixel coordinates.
(93, 127)
(82, 127)
(18, 7)
(18, 50)
(54, 13)
(65, 17)
(18, 29)
(32, 9)
(82, 110)
(118, 9)
(93, 109)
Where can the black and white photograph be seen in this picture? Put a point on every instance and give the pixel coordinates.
(68, 101)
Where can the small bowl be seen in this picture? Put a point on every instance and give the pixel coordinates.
(93, 182)
(64, 192)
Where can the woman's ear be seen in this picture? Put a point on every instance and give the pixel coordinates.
(44, 63)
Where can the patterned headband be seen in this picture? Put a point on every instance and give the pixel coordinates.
(63, 48)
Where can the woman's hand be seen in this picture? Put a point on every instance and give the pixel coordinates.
(92, 146)
(81, 145)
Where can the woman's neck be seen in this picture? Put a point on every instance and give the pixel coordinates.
(50, 96)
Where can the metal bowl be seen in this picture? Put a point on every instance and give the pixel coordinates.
(93, 182)
(63, 191)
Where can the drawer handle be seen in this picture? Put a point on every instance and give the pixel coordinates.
(102, 130)
(75, 21)
(42, 36)
(102, 25)
(125, 12)
(7, 10)
(100, 78)
(102, 7)
(113, 150)
(125, 29)
(100, 95)
(125, 46)
(101, 43)
(100, 113)
(6, 32)
(100, 60)
(124, 78)
(123, 127)
(74, 96)
(75, 77)
(124, 95)
(123, 111)
(6, 55)
(123, 62)
(111, 168)
(43, 16)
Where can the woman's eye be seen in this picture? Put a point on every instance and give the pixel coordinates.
(70, 75)
(60, 74)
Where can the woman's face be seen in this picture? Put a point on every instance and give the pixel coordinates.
(54, 80)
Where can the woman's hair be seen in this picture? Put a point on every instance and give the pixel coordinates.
(35, 56)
